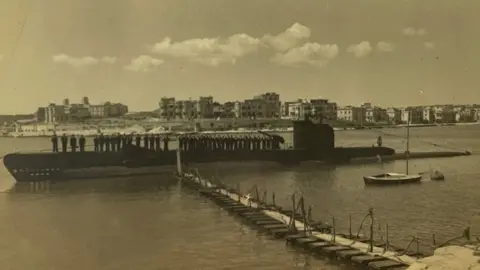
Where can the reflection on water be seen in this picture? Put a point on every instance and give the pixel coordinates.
(155, 223)
(137, 223)
(115, 185)
(445, 208)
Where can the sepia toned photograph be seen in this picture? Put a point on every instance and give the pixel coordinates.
(239, 135)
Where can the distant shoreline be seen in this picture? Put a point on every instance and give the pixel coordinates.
(91, 133)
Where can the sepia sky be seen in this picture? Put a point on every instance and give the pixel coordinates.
(135, 51)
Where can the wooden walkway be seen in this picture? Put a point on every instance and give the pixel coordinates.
(317, 241)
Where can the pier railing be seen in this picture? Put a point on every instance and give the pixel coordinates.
(377, 234)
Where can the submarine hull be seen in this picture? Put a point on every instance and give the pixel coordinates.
(138, 161)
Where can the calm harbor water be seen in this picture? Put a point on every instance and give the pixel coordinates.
(154, 223)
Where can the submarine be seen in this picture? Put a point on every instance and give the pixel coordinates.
(311, 142)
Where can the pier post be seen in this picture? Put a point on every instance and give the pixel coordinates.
(350, 226)
(370, 212)
(434, 240)
(387, 242)
(238, 192)
(179, 162)
(334, 231)
(418, 247)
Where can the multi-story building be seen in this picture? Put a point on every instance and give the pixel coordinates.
(299, 110)
(55, 113)
(167, 107)
(374, 114)
(272, 104)
(394, 115)
(284, 108)
(66, 112)
(98, 111)
(204, 107)
(351, 114)
(428, 115)
(250, 108)
(412, 115)
(449, 114)
(186, 109)
(107, 109)
(466, 114)
(323, 107)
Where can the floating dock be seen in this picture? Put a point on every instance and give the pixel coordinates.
(298, 230)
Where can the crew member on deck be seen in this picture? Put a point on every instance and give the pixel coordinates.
(145, 141)
(64, 141)
(113, 142)
(73, 143)
(138, 140)
(101, 142)
(95, 143)
(124, 140)
(157, 142)
(166, 139)
(107, 143)
(81, 143)
(181, 143)
(379, 141)
(118, 141)
(54, 142)
(151, 142)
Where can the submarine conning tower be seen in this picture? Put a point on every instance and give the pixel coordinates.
(313, 137)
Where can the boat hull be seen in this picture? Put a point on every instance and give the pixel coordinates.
(376, 181)
(139, 161)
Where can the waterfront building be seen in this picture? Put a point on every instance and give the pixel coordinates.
(170, 109)
(322, 107)
(284, 108)
(415, 114)
(351, 114)
(250, 108)
(272, 104)
(374, 114)
(394, 115)
(298, 110)
(66, 112)
(167, 107)
(428, 115)
(466, 114)
(204, 107)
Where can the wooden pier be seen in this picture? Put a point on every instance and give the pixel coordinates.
(300, 231)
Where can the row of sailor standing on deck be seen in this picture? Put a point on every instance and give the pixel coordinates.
(109, 143)
(153, 142)
(105, 143)
(73, 141)
(207, 143)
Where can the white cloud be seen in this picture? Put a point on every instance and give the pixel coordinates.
(385, 46)
(215, 51)
(361, 49)
(288, 39)
(143, 63)
(108, 60)
(209, 51)
(82, 61)
(309, 53)
(429, 45)
(410, 31)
